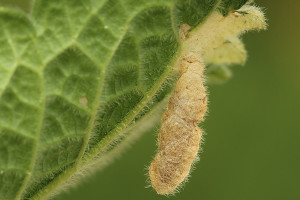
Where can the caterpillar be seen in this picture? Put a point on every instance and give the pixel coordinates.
(179, 136)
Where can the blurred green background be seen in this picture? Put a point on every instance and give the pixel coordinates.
(252, 146)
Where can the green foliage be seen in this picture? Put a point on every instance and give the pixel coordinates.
(75, 74)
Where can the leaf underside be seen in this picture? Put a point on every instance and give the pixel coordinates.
(75, 74)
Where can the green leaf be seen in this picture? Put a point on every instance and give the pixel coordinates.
(24, 5)
(79, 76)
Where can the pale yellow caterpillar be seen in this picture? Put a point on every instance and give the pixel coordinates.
(179, 137)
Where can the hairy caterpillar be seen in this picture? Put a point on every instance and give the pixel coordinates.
(179, 137)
